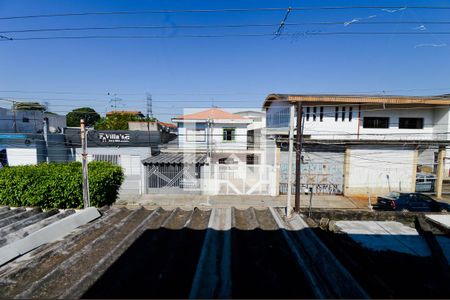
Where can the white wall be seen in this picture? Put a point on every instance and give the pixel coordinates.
(442, 123)
(21, 156)
(393, 132)
(436, 122)
(370, 165)
(329, 128)
(218, 143)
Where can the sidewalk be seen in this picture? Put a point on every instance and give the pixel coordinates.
(239, 201)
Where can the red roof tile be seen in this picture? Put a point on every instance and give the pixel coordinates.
(212, 113)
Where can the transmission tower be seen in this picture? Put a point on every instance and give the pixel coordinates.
(149, 106)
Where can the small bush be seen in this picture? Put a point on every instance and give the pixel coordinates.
(59, 185)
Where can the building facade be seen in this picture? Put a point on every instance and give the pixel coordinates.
(359, 145)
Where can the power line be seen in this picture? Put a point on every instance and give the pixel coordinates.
(222, 10)
(202, 26)
(196, 36)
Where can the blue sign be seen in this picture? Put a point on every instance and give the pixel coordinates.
(13, 136)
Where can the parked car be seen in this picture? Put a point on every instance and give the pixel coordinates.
(425, 182)
(410, 202)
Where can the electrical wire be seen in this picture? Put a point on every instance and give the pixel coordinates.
(222, 10)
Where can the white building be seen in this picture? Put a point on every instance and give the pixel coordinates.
(217, 152)
(222, 134)
(356, 144)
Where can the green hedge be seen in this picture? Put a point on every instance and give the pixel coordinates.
(59, 185)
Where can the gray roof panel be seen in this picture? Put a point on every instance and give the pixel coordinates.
(176, 158)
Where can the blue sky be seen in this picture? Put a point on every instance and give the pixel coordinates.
(229, 71)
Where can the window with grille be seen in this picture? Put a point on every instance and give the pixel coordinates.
(410, 123)
(376, 122)
(229, 134)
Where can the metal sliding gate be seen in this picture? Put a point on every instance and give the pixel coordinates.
(173, 178)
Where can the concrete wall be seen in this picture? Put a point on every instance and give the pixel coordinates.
(27, 121)
(143, 126)
(21, 156)
(370, 166)
(129, 158)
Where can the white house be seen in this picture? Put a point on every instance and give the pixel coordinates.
(221, 134)
(217, 152)
(361, 144)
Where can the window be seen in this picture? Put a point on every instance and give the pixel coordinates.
(321, 114)
(314, 113)
(336, 114)
(375, 122)
(251, 159)
(229, 134)
(25, 120)
(350, 114)
(410, 123)
(307, 113)
(277, 118)
(196, 134)
(343, 114)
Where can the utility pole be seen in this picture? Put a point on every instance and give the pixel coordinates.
(14, 114)
(291, 141)
(440, 172)
(86, 200)
(298, 154)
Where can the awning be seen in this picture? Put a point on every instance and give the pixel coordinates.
(176, 158)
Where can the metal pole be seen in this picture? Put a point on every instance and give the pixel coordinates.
(298, 153)
(291, 140)
(86, 201)
(14, 113)
(46, 138)
(310, 201)
(440, 172)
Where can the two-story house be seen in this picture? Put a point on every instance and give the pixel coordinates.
(223, 136)
(361, 144)
(217, 152)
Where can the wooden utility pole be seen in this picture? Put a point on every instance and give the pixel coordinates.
(298, 154)
(86, 200)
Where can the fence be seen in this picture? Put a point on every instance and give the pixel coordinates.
(241, 179)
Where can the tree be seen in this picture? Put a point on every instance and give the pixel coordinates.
(89, 115)
(117, 121)
(29, 106)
